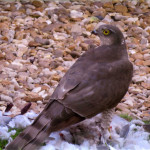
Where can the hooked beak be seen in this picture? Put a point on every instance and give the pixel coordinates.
(94, 32)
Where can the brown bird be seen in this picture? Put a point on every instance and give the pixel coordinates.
(96, 83)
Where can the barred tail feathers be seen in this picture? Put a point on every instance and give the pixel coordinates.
(53, 118)
(30, 133)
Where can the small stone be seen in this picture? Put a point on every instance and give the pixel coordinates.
(6, 98)
(14, 81)
(123, 107)
(60, 68)
(146, 114)
(63, 19)
(2, 56)
(34, 44)
(138, 79)
(144, 40)
(68, 58)
(129, 101)
(146, 63)
(147, 104)
(86, 33)
(121, 9)
(46, 72)
(43, 62)
(32, 97)
(42, 41)
(37, 89)
(132, 20)
(118, 17)
(5, 82)
(58, 53)
(22, 49)
(84, 46)
(76, 29)
(108, 5)
(56, 77)
(134, 90)
(90, 27)
(37, 3)
(146, 56)
(137, 56)
(75, 54)
(76, 14)
(66, 4)
(54, 64)
(95, 19)
(60, 36)
(139, 62)
(36, 14)
(43, 94)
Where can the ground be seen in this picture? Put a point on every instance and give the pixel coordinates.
(40, 40)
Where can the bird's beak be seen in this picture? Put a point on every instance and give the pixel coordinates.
(94, 32)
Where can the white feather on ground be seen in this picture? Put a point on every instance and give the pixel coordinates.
(86, 135)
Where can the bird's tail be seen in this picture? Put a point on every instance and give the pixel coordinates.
(53, 118)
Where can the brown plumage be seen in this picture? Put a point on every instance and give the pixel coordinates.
(95, 83)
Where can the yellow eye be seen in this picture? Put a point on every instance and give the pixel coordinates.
(106, 32)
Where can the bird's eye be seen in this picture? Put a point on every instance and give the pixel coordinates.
(106, 32)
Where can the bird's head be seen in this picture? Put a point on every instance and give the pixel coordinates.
(109, 35)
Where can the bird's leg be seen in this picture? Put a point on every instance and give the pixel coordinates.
(106, 118)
